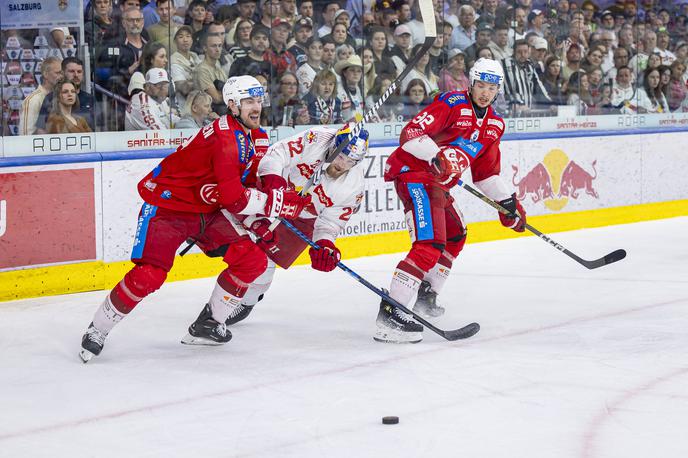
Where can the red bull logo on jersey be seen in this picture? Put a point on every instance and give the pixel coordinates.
(322, 197)
(555, 180)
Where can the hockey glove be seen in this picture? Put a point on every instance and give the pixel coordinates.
(267, 183)
(285, 203)
(326, 257)
(517, 219)
(449, 164)
(267, 239)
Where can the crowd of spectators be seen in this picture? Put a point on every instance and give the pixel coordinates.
(162, 63)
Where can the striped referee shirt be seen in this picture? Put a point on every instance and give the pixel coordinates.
(522, 86)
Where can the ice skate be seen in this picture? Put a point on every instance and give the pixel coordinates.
(206, 331)
(395, 326)
(426, 304)
(238, 314)
(91, 343)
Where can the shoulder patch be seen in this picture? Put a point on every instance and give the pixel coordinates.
(262, 142)
(223, 123)
(454, 98)
(495, 122)
(466, 112)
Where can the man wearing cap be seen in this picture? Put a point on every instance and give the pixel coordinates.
(464, 34)
(401, 51)
(280, 59)
(607, 20)
(328, 11)
(303, 31)
(51, 72)
(483, 36)
(149, 109)
(538, 52)
(349, 91)
(536, 19)
(255, 59)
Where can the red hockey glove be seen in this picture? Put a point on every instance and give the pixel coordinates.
(449, 164)
(269, 182)
(326, 258)
(518, 222)
(285, 203)
(267, 239)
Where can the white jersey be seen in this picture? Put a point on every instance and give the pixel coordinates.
(145, 113)
(334, 200)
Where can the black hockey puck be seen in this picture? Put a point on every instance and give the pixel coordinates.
(390, 420)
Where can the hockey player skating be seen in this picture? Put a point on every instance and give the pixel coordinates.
(183, 196)
(459, 129)
(338, 195)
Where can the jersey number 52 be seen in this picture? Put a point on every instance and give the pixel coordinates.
(424, 119)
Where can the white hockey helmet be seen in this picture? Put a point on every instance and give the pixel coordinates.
(487, 70)
(238, 88)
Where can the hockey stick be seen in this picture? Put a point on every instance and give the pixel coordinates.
(614, 256)
(456, 334)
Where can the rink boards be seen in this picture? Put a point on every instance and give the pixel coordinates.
(69, 226)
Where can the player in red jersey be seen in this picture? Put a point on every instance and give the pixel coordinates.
(195, 192)
(459, 129)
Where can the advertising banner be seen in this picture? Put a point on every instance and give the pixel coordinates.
(33, 14)
(47, 217)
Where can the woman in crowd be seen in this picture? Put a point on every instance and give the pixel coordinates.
(198, 17)
(421, 71)
(350, 73)
(369, 74)
(677, 90)
(324, 107)
(285, 101)
(184, 61)
(242, 40)
(340, 36)
(415, 99)
(664, 79)
(578, 92)
(154, 55)
(391, 110)
(453, 75)
(197, 111)
(650, 96)
(102, 26)
(552, 80)
(65, 101)
(595, 83)
(593, 59)
(378, 43)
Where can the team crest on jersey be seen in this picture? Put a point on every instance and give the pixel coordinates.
(322, 197)
(475, 135)
(307, 170)
(311, 137)
(495, 122)
(208, 193)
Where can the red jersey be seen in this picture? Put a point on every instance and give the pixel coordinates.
(210, 170)
(450, 120)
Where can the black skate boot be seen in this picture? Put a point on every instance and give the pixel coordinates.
(91, 343)
(240, 313)
(395, 326)
(206, 331)
(426, 304)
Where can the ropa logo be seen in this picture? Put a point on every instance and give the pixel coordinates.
(208, 193)
(554, 180)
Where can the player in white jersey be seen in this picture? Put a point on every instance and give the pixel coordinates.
(338, 195)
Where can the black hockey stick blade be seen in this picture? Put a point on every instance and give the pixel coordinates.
(462, 333)
(614, 256)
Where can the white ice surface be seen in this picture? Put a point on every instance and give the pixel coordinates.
(569, 363)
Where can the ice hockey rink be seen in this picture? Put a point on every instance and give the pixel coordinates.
(569, 363)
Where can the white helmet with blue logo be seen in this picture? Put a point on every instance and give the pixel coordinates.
(238, 88)
(487, 70)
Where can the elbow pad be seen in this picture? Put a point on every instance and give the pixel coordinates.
(422, 147)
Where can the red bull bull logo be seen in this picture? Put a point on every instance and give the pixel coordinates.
(555, 180)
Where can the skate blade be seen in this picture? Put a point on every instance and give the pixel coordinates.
(191, 340)
(85, 355)
(396, 337)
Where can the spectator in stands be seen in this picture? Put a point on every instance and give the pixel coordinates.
(323, 105)
(593, 59)
(664, 79)
(339, 36)
(301, 115)
(573, 57)
(577, 92)
(538, 54)
(120, 59)
(51, 72)
(552, 80)
(266, 113)
(378, 43)
(241, 41)
(165, 29)
(246, 9)
(62, 118)
(401, 51)
(663, 41)
(277, 55)
(342, 16)
(453, 75)
(329, 8)
(154, 56)
(255, 60)
(464, 34)
(415, 99)
(391, 110)
(197, 111)
(483, 36)
(517, 31)
(536, 23)
(595, 83)
(149, 109)
(209, 75)
(650, 96)
(286, 99)
(423, 72)
(306, 9)
(369, 75)
(447, 30)
(183, 64)
(101, 25)
(621, 59)
(303, 31)
(677, 90)
(647, 46)
(218, 30)
(343, 52)
(197, 19)
(305, 74)
(522, 88)
(623, 92)
(72, 71)
(287, 10)
(329, 55)
(437, 53)
(349, 91)
(500, 42)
